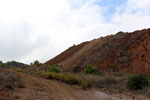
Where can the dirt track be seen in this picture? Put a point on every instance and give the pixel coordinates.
(42, 89)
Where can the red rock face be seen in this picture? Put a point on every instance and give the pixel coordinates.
(127, 52)
(141, 54)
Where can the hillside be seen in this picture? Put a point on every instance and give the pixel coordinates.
(126, 52)
(37, 88)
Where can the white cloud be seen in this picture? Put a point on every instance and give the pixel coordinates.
(133, 15)
(41, 29)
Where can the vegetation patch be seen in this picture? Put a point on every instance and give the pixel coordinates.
(10, 80)
(137, 82)
(54, 69)
(85, 81)
(2, 64)
(18, 69)
(89, 69)
(67, 78)
(36, 62)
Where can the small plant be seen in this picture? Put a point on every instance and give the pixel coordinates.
(85, 84)
(54, 69)
(71, 79)
(18, 69)
(137, 82)
(89, 69)
(75, 69)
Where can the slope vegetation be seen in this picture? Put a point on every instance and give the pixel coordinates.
(126, 52)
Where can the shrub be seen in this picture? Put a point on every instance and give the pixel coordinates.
(54, 69)
(2, 64)
(56, 76)
(10, 80)
(136, 82)
(75, 69)
(67, 78)
(36, 62)
(89, 69)
(31, 64)
(18, 69)
(72, 79)
(45, 75)
(85, 84)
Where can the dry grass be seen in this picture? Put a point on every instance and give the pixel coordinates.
(107, 80)
(10, 80)
(67, 78)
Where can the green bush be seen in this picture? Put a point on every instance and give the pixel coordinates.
(137, 82)
(36, 62)
(54, 69)
(89, 69)
(2, 64)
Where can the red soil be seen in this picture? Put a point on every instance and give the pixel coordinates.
(127, 52)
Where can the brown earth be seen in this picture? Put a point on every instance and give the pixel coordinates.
(65, 55)
(37, 88)
(127, 52)
(4, 93)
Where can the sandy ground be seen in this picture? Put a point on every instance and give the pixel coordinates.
(42, 89)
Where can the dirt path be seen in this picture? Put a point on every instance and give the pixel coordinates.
(42, 89)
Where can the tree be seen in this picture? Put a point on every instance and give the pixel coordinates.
(2, 64)
(36, 62)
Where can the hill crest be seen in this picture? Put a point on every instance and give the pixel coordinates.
(126, 52)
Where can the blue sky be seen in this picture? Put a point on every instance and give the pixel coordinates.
(110, 7)
(40, 29)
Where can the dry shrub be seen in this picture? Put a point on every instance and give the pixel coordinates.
(85, 81)
(71, 79)
(85, 84)
(18, 69)
(103, 81)
(66, 77)
(10, 80)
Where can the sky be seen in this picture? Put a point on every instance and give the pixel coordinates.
(41, 29)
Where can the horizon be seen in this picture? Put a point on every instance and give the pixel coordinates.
(40, 30)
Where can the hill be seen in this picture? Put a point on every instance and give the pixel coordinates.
(12, 64)
(126, 52)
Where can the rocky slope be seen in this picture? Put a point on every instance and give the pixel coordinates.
(127, 52)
